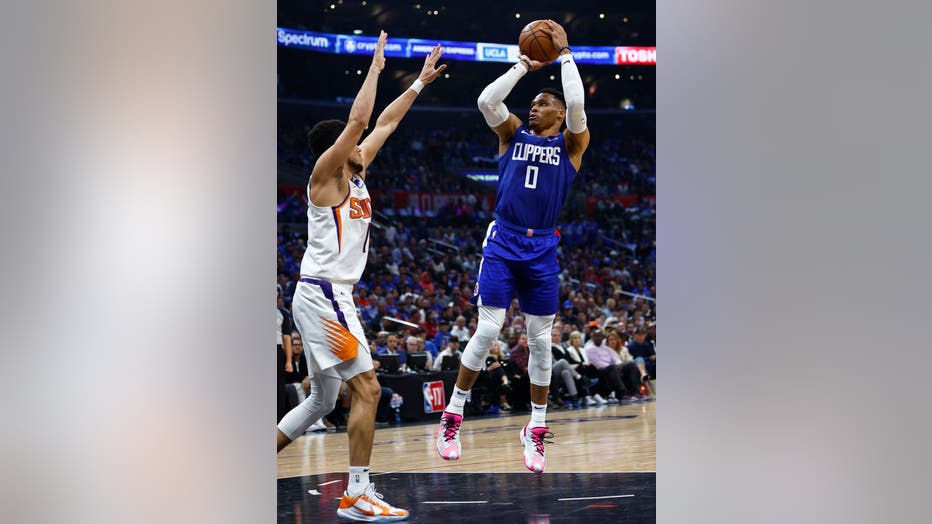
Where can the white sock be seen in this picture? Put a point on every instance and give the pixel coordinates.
(457, 401)
(358, 480)
(538, 415)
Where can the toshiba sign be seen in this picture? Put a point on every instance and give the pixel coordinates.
(636, 55)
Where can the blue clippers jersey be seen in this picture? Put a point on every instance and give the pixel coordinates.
(535, 177)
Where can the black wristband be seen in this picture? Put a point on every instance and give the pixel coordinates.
(559, 51)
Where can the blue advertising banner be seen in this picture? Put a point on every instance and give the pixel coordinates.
(468, 51)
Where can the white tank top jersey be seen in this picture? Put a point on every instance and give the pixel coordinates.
(338, 237)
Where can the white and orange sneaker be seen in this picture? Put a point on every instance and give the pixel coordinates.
(448, 436)
(369, 507)
(533, 441)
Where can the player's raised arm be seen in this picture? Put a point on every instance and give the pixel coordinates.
(394, 112)
(492, 101)
(577, 134)
(331, 160)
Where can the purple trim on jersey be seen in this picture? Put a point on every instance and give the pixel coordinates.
(338, 206)
(336, 219)
(366, 241)
(336, 223)
(327, 288)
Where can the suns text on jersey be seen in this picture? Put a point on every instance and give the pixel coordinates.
(534, 153)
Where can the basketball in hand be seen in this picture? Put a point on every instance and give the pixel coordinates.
(536, 44)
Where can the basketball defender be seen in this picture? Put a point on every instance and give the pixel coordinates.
(338, 239)
(537, 163)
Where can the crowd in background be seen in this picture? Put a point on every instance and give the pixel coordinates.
(417, 159)
(422, 268)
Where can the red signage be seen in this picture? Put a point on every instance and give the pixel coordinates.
(433, 396)
(434, 202)
(417, 202)
(636, 55)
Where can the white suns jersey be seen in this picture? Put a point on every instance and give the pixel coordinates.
(338, 237)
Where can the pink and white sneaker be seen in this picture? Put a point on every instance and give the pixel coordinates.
(533, 441)
(448, 437)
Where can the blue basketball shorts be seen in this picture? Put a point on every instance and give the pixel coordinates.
(514, 263)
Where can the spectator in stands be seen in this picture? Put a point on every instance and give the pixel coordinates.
(567, 316)
(381, 313)
(284, 364)
(576, 385)
(517, 373)
(452, 349)
(606, 361)
(428, 346)
(415, 345)
(576, 355)
(631, 373)
(644, 350)
(381, 342)
(459, 329)
(417, 319)
(391, 347)
(473, 324)
(298, 381)
(443, 334)
(494, 377)
(651, 336)
(591, 327)
(427, 282)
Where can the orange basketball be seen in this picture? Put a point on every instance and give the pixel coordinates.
(537, 45)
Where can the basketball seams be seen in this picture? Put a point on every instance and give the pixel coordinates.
(542, 50)
(530, 32)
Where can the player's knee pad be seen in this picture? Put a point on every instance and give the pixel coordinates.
(538, 341)
(323, 396)
(487, 329)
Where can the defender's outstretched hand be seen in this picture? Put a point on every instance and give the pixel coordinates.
(378, 57)
(429, 73)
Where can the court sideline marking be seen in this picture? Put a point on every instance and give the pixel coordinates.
(595, 498)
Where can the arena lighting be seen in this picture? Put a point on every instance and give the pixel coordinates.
(468, 51)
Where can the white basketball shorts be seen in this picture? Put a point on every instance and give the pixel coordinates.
(334, 340)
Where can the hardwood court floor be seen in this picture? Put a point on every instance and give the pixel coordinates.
(612, 438)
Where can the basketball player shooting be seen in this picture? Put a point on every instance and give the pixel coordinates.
(339, 215)
(537, 164)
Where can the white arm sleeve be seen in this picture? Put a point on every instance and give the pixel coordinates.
(574, 94)
(491, 100)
